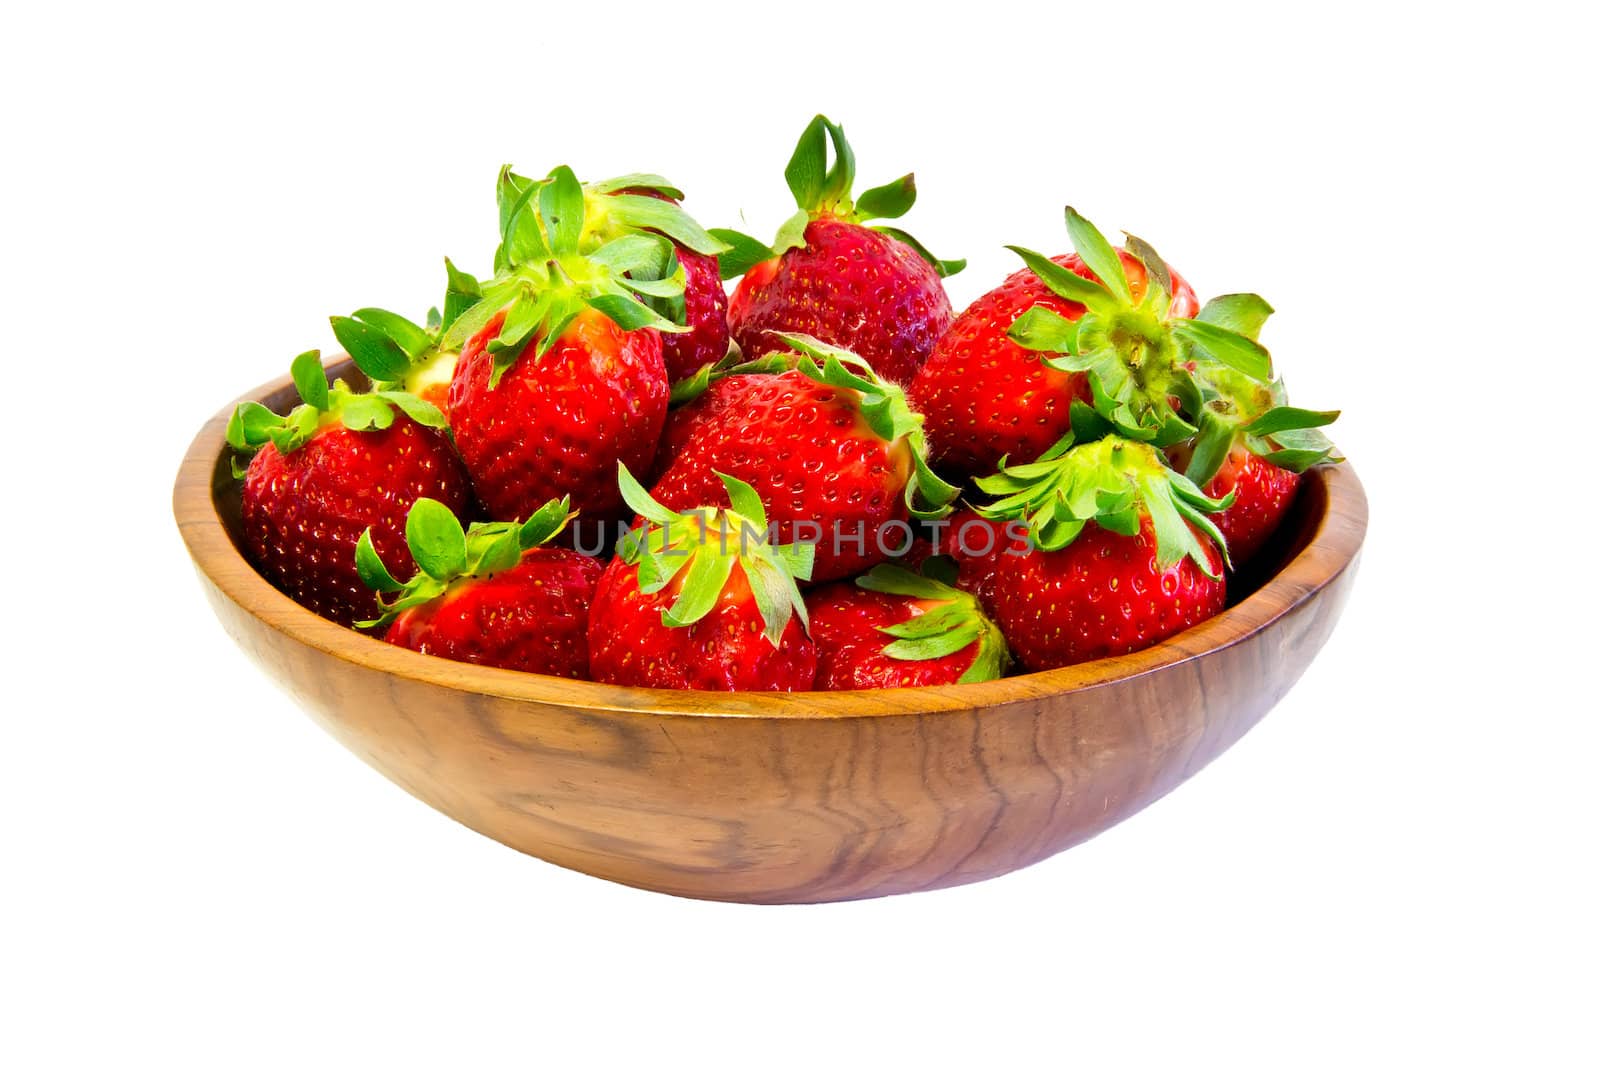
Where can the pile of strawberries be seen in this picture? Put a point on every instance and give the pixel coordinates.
(850, 486)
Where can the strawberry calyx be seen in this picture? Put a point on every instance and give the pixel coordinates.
(886, 412)
(543, 280)
(617, 207)
(950, 621)
(629, 205)
(824, 190)
(394, 352)
(704, 545)
(1236, 409)
(1114, 482)
(446, 555)
(252, 426)
(1141, 361)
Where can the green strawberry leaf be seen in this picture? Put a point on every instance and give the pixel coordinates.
(654, 182)
(1242, 313)
(666, 217)
(630, 314)
(461, 293)
(310, 380)
(561, 211)
(1155, 267)
(411, 338)
(702, 584)
(943, 267)
(378, 355)
(888, 201)
(415, 408)
(1280, 419)
(744, 500)
(1063, 282)
(438, 543)
(640, 501)
(371, 569)
(365, 411)
(743, 252)
(792, 234)
(1098, 255)
(1042, 330)
(1232, 350)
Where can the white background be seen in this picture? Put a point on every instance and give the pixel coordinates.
(1395, 867)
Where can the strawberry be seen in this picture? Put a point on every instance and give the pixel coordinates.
(871, 289)
(1124, 554)
(1261, 493)
(339, 463)
(650, 204)
(396, 353)
(894, 628)
(494, 594)
(561, 375)
(1250, 445)
(834, 453)
(702, 600)
(1114, 340)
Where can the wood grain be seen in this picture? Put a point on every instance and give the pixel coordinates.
(789, 798)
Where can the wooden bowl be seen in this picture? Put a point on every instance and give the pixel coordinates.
(776, 798)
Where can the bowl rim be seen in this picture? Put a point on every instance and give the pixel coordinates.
(1332, 547)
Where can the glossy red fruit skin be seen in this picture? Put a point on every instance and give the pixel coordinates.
(533, 617)
(977, 544)
(807, 453)
(849, 286)
(1102, 595)
(844, 625)
(984, 396)
(559, 425)
(303, 513)
(705, 312)
(705, 309)
(685, 421)
(724, 651)
(1263, 495)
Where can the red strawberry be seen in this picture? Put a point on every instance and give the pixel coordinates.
(557, 423)
(871, 289)
(649, 204)
(1261, 495)
(337, 464)
(1124, 553)
(495, 594)
(1250, 445)
(893, 628)
(701, 600)
(835, 455)
(562, 377)
(988, 393)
